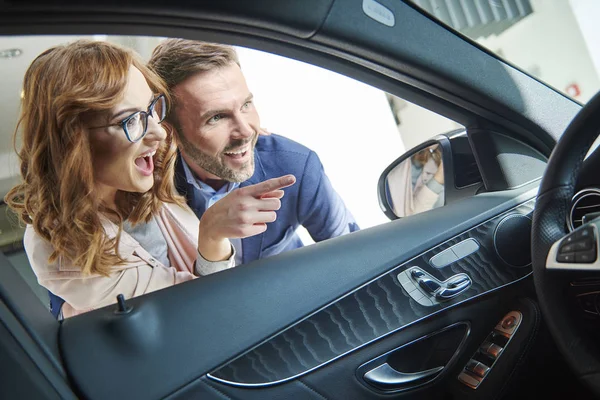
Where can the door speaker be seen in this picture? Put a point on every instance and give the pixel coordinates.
(512, 240)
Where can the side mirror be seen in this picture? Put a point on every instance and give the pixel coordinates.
(415, 182)
(437, 172)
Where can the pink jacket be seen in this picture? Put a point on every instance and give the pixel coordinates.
(139, 275)
(406, 200)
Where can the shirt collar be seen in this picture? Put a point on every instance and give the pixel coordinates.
(198, 184)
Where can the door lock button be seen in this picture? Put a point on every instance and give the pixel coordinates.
(509, 322)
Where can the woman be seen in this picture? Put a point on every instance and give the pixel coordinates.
(417, 185)
(97, 195)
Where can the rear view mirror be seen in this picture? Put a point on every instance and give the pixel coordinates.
(415, 182)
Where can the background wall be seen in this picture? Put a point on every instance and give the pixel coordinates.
(549, 45)
(349, 124)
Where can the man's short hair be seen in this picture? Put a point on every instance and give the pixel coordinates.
(175, 60)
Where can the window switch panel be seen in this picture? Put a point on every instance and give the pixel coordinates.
(484, 359)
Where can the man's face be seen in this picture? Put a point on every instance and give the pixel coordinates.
(217, 124)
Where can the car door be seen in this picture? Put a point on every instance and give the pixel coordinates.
(360, 316)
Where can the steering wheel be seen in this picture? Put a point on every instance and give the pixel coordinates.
(548, 236)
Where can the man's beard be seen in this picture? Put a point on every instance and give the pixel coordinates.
(215, 165)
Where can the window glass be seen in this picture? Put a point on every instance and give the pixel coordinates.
(555, 41)
(356, 130)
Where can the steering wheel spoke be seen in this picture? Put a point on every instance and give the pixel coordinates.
(577, 251)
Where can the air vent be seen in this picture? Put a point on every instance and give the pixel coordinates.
(585, 202)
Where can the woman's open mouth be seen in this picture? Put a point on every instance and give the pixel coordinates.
(145, 163)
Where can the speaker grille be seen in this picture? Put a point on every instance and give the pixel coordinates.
(512, 240)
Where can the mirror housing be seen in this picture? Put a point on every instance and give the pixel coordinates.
(430, 175)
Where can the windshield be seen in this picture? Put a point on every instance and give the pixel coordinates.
(557, 42)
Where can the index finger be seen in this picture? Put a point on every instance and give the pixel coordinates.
(264, 132)
(270, 185)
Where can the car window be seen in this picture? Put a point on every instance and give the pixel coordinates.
(355, 130)
(556, 42)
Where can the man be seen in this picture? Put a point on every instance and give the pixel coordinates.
(217, 131)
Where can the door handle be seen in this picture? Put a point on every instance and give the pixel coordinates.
(438, 290)
(387, 378)
(450, 292)
(429, 285)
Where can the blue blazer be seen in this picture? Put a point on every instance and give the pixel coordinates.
(311, 201)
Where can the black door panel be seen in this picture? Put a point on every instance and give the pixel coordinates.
(376, 310)
(336, 382)
(206, 389)
(30, 362)
(339, 380)
(177, 335)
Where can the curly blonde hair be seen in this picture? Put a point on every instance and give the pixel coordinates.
(422, 156)
(64, 87)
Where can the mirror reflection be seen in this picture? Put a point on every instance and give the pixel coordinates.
(417, 183)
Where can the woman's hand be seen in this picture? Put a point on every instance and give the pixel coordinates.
(242, 213)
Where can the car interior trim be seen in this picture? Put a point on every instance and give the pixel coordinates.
(275, 360)
(238, 384)
(487, 355)
(367, 367)
(454, 253)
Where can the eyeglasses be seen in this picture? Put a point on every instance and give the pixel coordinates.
(136, 125)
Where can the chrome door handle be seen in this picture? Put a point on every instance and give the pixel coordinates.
(449, 292)
(429, 285)
(438, 290)
(457, 280)
(387, 378)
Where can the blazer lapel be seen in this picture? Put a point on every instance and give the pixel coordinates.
(183, 187)
(180, 182)
(252, 246)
